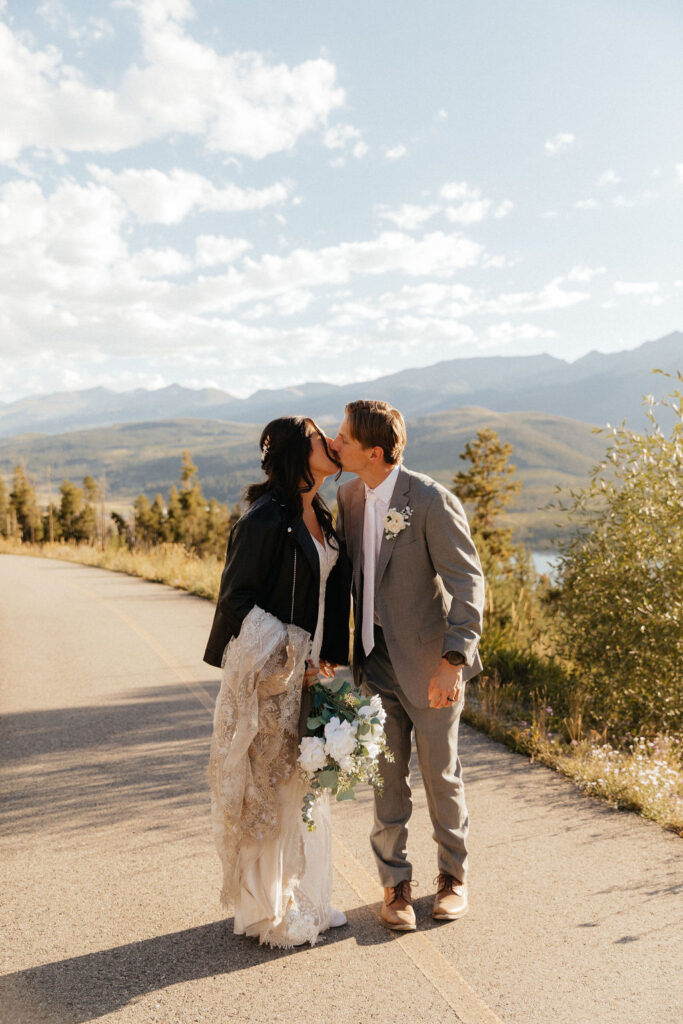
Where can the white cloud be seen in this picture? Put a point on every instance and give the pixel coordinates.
(586, 204)
(470, 212)
(395, 152)
(84, 32)
(609, 177)
(160, 263)
(621, 202)
(293, 302)
(444, 299)
(343, 136)
(472, 206)
(76, 226)
(167, 198)
(559, 143)
(503, 209)
(236, 103)
(409, 216)
(505, 332)
(436, 254)
(339, 135)
(641, 288)
(430, 299)
(454, 191)
(72, 283)
(212, 250)
(499, 261)
(552, 296)
(582, 273)
(679, 172)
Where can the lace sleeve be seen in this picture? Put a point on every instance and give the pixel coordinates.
(255, 733)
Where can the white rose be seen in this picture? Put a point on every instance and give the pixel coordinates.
(347, 763)
(312, 754)
(340, 739)
(372, 747)
(377, 709)
(365, 712)
(394, 522)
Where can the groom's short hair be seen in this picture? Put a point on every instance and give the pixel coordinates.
(376, 423)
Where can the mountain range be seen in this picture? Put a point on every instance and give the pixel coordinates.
(549, 451)
(597, 389)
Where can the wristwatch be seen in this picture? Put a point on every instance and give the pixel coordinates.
(454, 657)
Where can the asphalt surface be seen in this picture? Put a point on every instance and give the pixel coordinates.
(110, 880)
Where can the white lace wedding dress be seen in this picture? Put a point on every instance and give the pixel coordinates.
(276, 874)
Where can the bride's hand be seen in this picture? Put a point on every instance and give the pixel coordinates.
(324, 669)
(312, 672)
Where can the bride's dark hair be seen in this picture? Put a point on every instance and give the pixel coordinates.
(285, 445)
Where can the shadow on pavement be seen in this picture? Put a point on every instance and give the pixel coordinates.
(76, 768)
(87, 987)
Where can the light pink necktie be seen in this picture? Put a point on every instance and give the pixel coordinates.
(369, 566)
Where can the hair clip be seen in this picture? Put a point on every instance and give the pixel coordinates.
(265, 446)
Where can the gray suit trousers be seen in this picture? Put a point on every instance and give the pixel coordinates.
(436, 738)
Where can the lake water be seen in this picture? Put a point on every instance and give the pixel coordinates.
(545, 562)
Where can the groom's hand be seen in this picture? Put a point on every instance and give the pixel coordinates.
(445, 686)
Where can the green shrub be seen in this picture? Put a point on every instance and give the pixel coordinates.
(620, 600)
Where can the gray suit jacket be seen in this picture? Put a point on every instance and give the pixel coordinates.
(429, 587)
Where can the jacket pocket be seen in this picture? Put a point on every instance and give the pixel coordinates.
(435, 631)
(404, 540)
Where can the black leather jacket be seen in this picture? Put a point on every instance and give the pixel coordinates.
(259, 570)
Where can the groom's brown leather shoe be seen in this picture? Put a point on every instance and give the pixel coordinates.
(450, 901)
(397, 908)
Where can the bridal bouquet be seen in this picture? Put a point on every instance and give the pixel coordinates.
(345, 742)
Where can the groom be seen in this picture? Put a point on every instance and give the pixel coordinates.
(418, 594)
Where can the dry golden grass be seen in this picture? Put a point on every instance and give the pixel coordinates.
(647, 779)
(168, 563)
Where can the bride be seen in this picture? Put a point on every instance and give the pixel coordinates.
(281, 621)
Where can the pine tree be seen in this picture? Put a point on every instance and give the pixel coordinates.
(158, 520)
(52, 529)
(487, 488)
(174, 517)
(23, 500)
(513, 600)
(4, 509)
(217, 527)
(194, 508)
(70, 508)
(86, 527)
(91, 490)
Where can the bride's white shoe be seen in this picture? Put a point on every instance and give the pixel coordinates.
(337, 919)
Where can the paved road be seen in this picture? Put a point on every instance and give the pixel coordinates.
(110, 908)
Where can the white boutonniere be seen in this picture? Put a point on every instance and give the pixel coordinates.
(395, 522)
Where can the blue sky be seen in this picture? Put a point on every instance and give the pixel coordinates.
(248, 195)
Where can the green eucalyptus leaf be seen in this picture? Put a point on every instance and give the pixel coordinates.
(328, 779)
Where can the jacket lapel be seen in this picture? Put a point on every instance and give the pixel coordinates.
(356, 516)
(399, 500)
(305, 542)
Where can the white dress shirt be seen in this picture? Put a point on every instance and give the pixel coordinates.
(377, 501)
